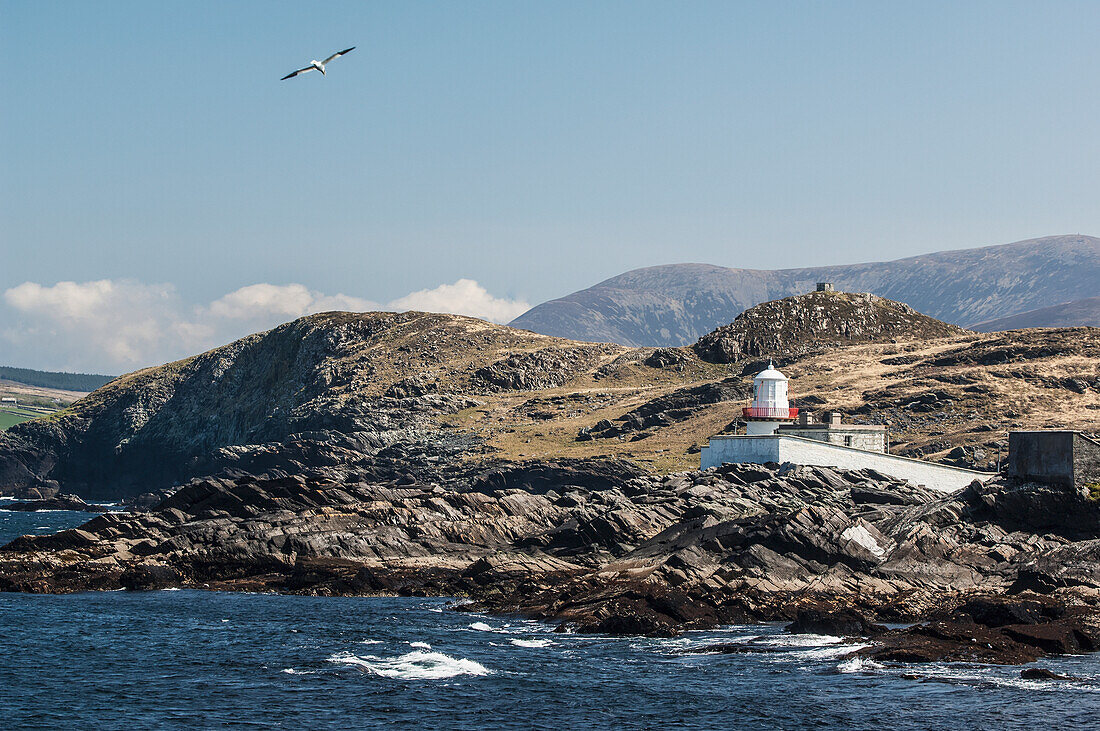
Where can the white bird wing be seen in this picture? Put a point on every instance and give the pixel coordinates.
(292, 74)
(338, 54)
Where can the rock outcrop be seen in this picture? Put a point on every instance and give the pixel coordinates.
(424, 397)
(327, 390)
(814, 322)
(602, 547)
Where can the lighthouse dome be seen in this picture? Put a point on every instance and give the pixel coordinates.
(770, 374)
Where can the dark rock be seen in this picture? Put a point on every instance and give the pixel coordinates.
(1043, 674)
(841, 623)
(673, 358)
(144, 577)
(59, 502)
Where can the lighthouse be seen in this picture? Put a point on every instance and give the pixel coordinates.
(770, 407)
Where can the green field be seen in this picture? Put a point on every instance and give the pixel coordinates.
(11, 417)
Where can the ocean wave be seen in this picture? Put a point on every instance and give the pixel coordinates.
(828, 653)
(481, 627)
(1001, 677)
(293, 671)
(794, 641)
(421, 645)
(532, 643)
(859, 665)
(416, 665)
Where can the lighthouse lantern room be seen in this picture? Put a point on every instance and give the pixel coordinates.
(770, 406)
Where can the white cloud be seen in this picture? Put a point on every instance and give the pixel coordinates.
(117, 325)
(118, 322)
(287, 301)
(464, 297)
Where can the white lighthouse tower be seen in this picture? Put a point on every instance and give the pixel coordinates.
(770, 406)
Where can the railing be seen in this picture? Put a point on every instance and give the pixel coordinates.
(757, 412)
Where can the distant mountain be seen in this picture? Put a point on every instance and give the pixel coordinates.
(675, 304)
(1078, 312)
(51, 379)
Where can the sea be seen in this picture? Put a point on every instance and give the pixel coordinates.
(200, 660)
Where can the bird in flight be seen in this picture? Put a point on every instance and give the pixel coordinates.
(318, 65)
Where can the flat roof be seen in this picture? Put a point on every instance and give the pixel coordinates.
(834, 427)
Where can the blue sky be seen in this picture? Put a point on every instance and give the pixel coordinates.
(513, 151)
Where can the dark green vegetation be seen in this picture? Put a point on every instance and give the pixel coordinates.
(52, 379)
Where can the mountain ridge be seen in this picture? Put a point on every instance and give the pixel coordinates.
(675, 304)
(1078, 312)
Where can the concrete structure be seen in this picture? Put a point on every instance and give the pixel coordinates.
(1053, 457)
(869, 437)
(770, 406)
(5, 401)
(825, 287)
(799, 450)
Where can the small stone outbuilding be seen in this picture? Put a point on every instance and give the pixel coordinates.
(1054, 457)
(829, 428)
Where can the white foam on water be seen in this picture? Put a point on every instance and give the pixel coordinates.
(1000, 676)
(369, 642)
(532, 643)
(292, 671)
(416, 665)
(829, 653)
(176, 588)
(799, 640)
(421, 645)
(481, 627)
(859, 665)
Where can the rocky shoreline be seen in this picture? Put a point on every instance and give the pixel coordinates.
(597, 546)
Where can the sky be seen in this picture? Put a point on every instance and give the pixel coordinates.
(162, 191)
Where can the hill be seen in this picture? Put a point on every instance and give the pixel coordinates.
(417, 398)
(1079, 312)
(82, 382)
(415, 454)
(675, 304)
(815, 322)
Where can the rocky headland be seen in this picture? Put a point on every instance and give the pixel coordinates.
(601, 547)
(417, 454)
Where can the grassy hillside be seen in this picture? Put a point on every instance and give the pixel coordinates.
(11, 417)
(381, 395)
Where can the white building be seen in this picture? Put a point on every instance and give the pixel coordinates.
(773, 436)
(770, 406)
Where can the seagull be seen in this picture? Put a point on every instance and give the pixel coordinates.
(319, 65)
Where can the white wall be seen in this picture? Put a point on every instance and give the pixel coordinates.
(760, 449)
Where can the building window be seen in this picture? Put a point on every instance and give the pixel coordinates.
(848, 441)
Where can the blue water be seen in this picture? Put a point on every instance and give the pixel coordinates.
(190, 659)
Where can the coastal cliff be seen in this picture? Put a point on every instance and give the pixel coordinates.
(600, 547)
(418, 454)
(418, 396)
